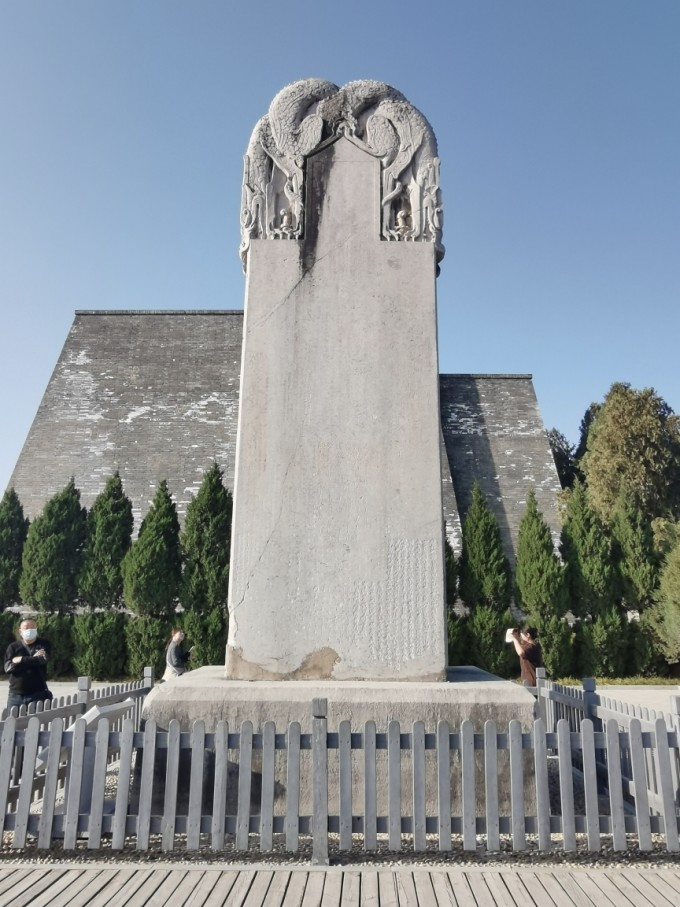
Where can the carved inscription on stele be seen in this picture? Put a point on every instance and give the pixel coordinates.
(311, 113)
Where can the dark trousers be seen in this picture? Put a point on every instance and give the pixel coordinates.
(19, 699)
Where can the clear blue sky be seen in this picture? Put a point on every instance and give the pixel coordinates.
(122, 129)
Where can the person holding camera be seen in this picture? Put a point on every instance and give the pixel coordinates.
(529, 650)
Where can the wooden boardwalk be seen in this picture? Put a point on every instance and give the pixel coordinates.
(132, 885)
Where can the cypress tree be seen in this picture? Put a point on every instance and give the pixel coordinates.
(636, 556)
(451, 569)
(590, 572)
(484, 570)
(539, 575)
(152, 567)
(13, 531)
(109, 534)
(664, 615)
(206, 540)
(53, 553)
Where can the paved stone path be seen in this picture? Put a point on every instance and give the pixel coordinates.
(98, 885)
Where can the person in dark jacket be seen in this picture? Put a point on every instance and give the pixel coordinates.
(175, 656)
(530, 656)
(26, 663)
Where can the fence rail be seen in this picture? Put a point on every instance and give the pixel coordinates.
(238, 788)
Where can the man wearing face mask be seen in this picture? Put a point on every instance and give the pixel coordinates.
(26, 664)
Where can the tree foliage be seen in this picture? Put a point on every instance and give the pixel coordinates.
(109, 533)
(486, 626)
(99, 645)
(206, 541)
(206, 633)
(664, 615)
(484, 570)
(539, 575)
(636, 555)
(13, 531)
(590, 572)
(53, 553)
(451, 571)
(152, 567)
(563, 455)
(633, 448)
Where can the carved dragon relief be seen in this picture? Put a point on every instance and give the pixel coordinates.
(311, 112)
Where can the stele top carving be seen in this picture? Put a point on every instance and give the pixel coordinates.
(307, 115)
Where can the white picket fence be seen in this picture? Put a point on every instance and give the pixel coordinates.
(245, 788)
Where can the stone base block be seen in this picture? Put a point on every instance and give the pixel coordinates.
(469, 693)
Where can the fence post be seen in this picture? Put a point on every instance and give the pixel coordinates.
(590, 697)
(84, 692)
(319, 782)
(148, 678)
(540, 695)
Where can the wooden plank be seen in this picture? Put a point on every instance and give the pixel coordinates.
(480, 890)
(394, 785)
(219, 805)
(491, 786)
(128, 881)
(422, 882)
(498, 887)
(370, 892)
(637, 762)
(666, 785)
(406, 890)
(123, 789)
(590, 784)
(615, 785)
(418, 768)
(646, 893)
(370, 803)
(443, 786)
(26, 787)
(442, 889)
(566, 785)
(563, 891)
(267, 797)
(519, 841)
(9, 878)
(77, 892)
(387, 889)
(293, 788)
(461, 889)
(629, 893)
(524, 889)
(345, 782)
(164, 892)
(51, 781)
(257, 893)
(469, 806)
(171, 781)
(31, 884)
(594, 886)
(222, 888)
(664, 885)
(74, 782)
(146, 785)
(541, 782)
(313, 894)
(6, 762)
(277, 889)
(244, 783)
(94, 830)
(332, 889)
(295, 891)
(196, 785)
(320, 786)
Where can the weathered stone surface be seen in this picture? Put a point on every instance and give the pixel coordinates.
(337, 554)
(156, 395)
(152, 394)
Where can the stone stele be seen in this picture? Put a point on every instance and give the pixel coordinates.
(337, 565)
(337, 574)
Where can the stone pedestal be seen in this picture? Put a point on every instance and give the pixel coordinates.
(469, 693)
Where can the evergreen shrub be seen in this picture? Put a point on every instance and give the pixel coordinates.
(57, 629)
(99, 642)
(207, 633)
(147, 638)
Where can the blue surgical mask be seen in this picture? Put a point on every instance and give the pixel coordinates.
(29, 635)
